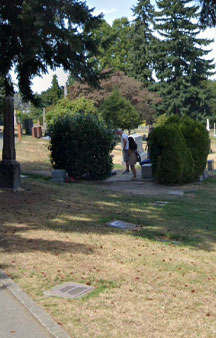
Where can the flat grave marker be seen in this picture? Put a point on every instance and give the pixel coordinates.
(121, 225)
(69, 290)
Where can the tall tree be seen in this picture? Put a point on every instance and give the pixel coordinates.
(129, 88)
(208, 12)
(114, 44)
(36, 35)
(51, 95)
(142, 39)
(180, 65)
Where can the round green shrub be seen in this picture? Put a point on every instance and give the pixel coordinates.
(81, 144)
(172, 161)
(197, 140)
(66, 107)
(118, 112)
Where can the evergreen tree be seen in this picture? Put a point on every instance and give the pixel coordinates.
(208, 12)
(52, 95)
(36, 35)
(114, 44)
(179, 60)
(142, 39)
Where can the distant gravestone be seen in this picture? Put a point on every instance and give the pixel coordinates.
(147, 171)
(121, 225)
(207, 125)
(210, 164)
(58, 175)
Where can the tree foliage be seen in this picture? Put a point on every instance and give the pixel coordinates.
(208, 12)
(141, 98)
(118, 112)
(51, 95)
(66, 107)
(35, 35)
(114, 45)
(141, 42)
(180, 65)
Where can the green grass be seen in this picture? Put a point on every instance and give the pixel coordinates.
(155, 281)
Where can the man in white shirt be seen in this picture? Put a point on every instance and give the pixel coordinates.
(125, 147)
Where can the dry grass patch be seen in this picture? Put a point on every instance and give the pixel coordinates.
(156, 281)
(33, 155)
(52, 234)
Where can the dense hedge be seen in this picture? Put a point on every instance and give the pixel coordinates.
(171, 159)
(179, 150)
(81, 145)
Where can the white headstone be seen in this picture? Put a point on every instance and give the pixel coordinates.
(207, 125)
(214, 131)
(138, 140)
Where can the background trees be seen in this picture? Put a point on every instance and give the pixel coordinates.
(208, 12)
(117, 112)
(35, 35)
(179, 60)
(141, 42)
(141, 98)
(114, 45)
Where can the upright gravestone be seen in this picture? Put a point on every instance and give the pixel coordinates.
(138, 140)
(44, 120)
(9, 167)
(207, 125)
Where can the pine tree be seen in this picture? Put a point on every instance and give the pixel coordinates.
(179, 60)
(114, 44)
(142, 40)
(36, 35)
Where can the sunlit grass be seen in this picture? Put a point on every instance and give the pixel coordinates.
(155, 281)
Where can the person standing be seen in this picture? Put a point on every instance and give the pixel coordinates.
(125, 147)
(132, 155)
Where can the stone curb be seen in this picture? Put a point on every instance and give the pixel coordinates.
(41, 316)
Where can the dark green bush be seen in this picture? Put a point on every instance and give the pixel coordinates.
(197, 140)
(179, 150)
(118, 112)
(171, 159)
(81, 144)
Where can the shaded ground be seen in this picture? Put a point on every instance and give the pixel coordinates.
(123, 183)
(155, 281)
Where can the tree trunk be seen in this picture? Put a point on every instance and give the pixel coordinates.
(9, 167)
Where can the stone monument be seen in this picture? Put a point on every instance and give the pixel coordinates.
(207, 125)
(138, 140)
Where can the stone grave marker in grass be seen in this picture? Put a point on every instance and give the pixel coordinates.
(121, 225)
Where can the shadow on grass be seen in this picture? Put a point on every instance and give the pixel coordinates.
(80, 208)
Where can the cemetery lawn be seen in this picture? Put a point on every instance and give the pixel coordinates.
(155, 281)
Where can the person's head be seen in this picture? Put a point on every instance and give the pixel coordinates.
(119, 132)
(132, 143)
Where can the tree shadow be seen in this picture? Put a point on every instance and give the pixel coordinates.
(81, 208)
(20, 244)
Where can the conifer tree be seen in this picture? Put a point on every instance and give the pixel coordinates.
(142, 39)
(114, 44)
(180, 65)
